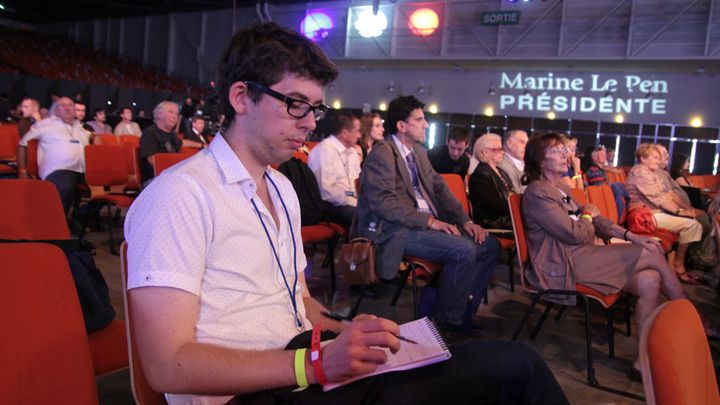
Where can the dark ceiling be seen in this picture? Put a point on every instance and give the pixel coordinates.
(47, 12)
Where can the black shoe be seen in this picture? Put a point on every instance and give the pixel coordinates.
(453, 334)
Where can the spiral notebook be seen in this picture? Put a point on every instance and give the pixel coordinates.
(430, 349)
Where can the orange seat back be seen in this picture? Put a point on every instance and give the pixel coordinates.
(711, 182)
(674, 352)
(31, 211)
(131, 155)
(579, 196)
(166, 160)
(515, 203)
(31, 156)
(301, 155)
(142, 392)
(9, 138)
(105, 165)
(602, 197)
(130, 139)
(106, 139)
(457, 186)
(696, 181)
(43, 344)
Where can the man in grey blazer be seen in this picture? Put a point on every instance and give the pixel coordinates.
(407, 209)
(513, 163)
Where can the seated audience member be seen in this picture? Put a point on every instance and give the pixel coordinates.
(98, 123)
(407, 209)
(371, 131)
(29, 115)
(451, 157)
(209, 317)
(195, 135)
(158, 138)
(61, 151)
(611, 157)
(561, 238)
(127, 126)
(646, 186)
(679, 171)
(336, 165)
(597, 171)
(80, 112)
(489, 185)
(573, 177)
(513, 163)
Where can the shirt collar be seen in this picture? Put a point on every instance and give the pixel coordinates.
(335, 143)
(232, 168)
(517, 162)
(404, 151)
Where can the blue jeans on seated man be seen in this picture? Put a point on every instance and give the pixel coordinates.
(67, 183)
(467, 269)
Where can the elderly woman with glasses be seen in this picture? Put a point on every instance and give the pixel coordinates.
(489, 186)
(646, 187)
(561, 239)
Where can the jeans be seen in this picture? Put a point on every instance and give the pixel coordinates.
(67, 183)
(479, 372)
(467, 269)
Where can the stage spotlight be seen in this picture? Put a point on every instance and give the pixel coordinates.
(423, 22)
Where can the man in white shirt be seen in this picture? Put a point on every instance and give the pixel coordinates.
(513, 163)
(127, 126)
(336, 166)
(215, 265)
(61, 151)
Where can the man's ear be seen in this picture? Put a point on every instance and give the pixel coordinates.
(400, 126)
(239, 97)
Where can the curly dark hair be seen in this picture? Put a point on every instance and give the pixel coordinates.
(535, 154)
(264, 53)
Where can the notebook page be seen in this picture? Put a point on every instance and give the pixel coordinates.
(429, 349)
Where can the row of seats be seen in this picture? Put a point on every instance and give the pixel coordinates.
(55, 57)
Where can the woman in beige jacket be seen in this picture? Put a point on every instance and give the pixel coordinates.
(561, 236)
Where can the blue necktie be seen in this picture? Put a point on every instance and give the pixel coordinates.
(413, 170)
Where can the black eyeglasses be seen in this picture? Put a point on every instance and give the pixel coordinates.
(296, 108)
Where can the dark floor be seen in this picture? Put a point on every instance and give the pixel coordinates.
(561, 343)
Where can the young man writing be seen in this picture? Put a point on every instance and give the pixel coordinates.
(216, 261)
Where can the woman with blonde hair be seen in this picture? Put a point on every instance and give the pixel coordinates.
(646, 187)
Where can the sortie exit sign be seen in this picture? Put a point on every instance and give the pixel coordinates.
(501, 18)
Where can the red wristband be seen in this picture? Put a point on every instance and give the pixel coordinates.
(316, 356)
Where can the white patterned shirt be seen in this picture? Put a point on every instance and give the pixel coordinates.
(194, 228)
(61, 146)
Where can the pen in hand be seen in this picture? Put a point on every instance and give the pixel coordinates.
(340, 318)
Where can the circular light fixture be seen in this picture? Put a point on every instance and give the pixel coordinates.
(551, 115)
(370, 25)
(423, 22)
(337, 105)
(619, 118)
(433, 108)
(489, 111)
(316, 25)
(382, 106)
(696, 122)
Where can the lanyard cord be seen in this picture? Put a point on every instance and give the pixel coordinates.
(292, 293)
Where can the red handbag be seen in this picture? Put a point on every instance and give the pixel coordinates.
(640, 220)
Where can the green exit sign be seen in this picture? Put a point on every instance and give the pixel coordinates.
(501, 18)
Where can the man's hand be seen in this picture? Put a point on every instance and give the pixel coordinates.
(352, 352)
(647, 242)
(476, 232)
(439, 225)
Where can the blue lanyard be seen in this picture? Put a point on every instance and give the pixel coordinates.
(293, 296)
